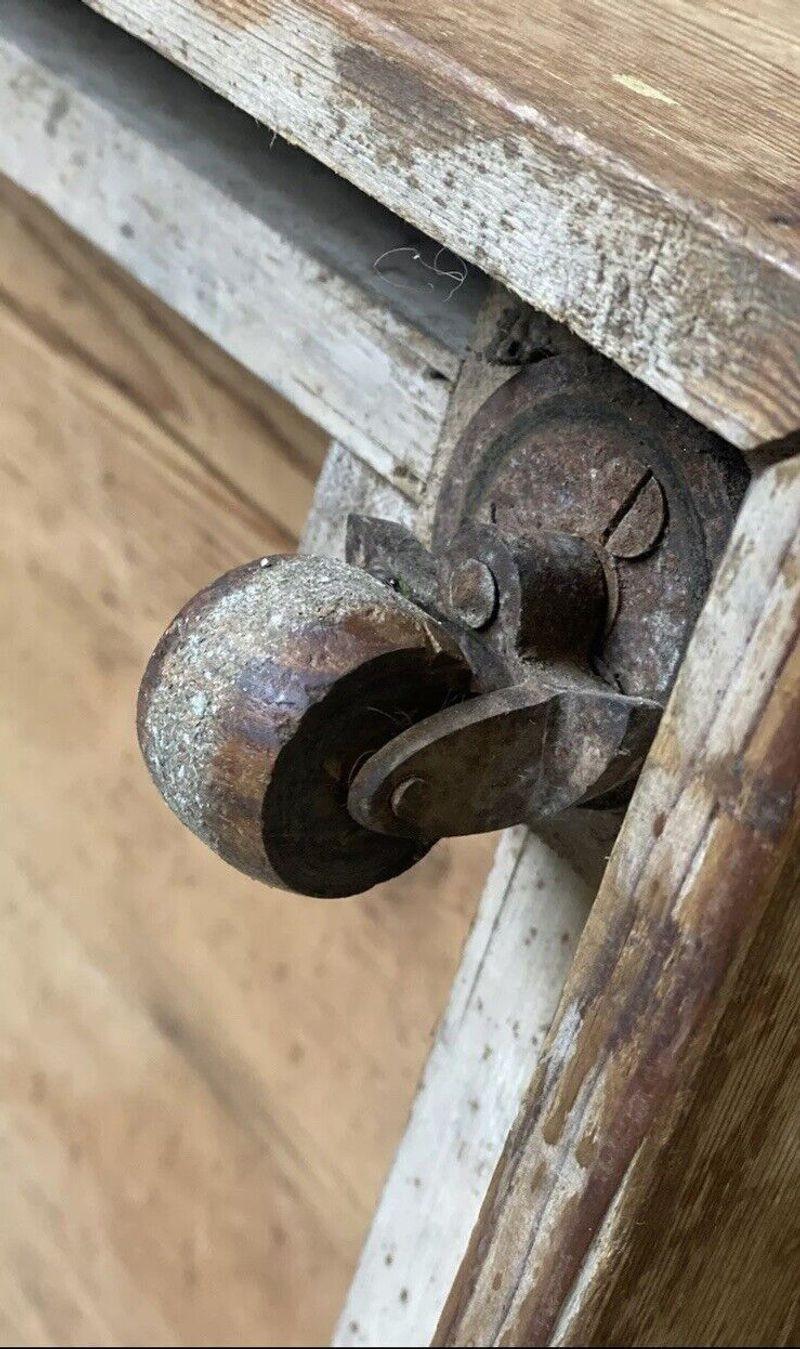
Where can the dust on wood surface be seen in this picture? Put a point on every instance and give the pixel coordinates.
(259, 246)
(203, 1080)
(630, 169)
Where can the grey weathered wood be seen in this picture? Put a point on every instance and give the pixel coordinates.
(626, 168)
(530, 917)
(347, 484)
(264, 249)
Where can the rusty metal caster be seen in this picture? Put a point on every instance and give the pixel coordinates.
(320, 724)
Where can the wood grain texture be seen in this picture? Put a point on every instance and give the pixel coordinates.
(639, 1199)
(202, 1081)
(89, 310)
(290, 269)
(628, 169)
(716, 1259)
(506, 990)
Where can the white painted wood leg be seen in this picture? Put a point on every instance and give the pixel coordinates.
(346, 483)
(505, 994)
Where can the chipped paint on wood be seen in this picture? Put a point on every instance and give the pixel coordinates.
(682, 267)
(261, 248)
(503, 998)
(348, 484)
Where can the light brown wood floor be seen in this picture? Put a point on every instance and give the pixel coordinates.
(203, 1081)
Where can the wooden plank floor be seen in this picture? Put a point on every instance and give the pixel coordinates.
(202, 1082)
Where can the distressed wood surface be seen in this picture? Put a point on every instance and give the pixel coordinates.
(347, 484)
(716, 1260)
(503, 999)
(639, 1199)
(311, 285)
(201, 1081)
(630, 169)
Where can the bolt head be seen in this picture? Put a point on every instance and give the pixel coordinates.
(472, 593)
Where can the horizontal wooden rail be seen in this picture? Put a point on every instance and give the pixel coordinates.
(627, 168)
(324, 294)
